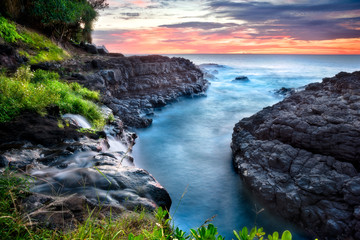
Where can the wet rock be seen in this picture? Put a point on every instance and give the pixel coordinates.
(123, 187)
(301, 156)
(81, 170)
(9, 58)
(285, 91)
(242, 78)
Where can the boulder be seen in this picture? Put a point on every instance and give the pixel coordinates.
(91, 48)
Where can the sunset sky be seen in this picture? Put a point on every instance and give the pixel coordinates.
(230, 26)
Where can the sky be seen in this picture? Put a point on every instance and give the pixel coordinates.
(230, 27)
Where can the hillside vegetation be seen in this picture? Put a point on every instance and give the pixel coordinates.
(35, 91)
(60, 19)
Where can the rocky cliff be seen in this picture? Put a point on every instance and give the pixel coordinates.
(133, 86)
(302, 156)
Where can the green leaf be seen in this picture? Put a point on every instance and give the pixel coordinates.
(286, 235)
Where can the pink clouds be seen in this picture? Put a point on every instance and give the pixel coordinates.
(161, 40)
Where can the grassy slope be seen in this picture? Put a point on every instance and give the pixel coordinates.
(30, 44)
(35, 91)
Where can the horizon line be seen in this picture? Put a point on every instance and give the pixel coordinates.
(313, 54)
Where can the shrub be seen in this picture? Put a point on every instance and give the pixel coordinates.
(65, 18)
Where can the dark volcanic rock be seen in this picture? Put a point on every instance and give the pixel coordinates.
(9, 58)
(133, 85)
(285, 91)
(302, 156)
(31, 127)
(80, 168)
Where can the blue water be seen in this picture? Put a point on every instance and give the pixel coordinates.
(187, 148)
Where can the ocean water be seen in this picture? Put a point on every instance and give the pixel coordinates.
(187, 148)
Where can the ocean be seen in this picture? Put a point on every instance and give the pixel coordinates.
(187, 148)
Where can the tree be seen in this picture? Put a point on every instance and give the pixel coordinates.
(68, 19)
(98, 4)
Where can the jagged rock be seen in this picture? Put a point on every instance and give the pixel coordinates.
(102, 49)
(9, 58)
(45, 66)
(285, 91)
(135, 84)
(302, 156)
(91, 48)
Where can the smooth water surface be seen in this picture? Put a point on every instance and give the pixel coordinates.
(187, 148)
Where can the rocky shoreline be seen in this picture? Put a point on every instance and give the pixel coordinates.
(73, 169)
(301, 157)
(134, 86)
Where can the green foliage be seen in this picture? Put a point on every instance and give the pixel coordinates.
(203, 233)
(245, 235)
(41, 49)
(256, 233)
(12, 222)
(8, 31)
(285, 236)
(37, 90)
(65, 18)
(129, 226)
(31, 45)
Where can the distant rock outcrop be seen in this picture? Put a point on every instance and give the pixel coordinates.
(302, 156)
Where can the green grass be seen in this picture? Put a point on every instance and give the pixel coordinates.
(8, 31)
(35, 91)
(41, 49)
(13, 224)
(32, 45)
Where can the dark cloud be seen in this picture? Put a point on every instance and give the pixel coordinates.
(127, 16)
(200, 25)
(106, 36)
(307, 21)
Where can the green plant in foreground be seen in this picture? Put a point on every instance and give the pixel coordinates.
(209, 233)
(258, 233)
(13, 224)
(180, 234)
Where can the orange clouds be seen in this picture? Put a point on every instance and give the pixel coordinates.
(161, 40)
